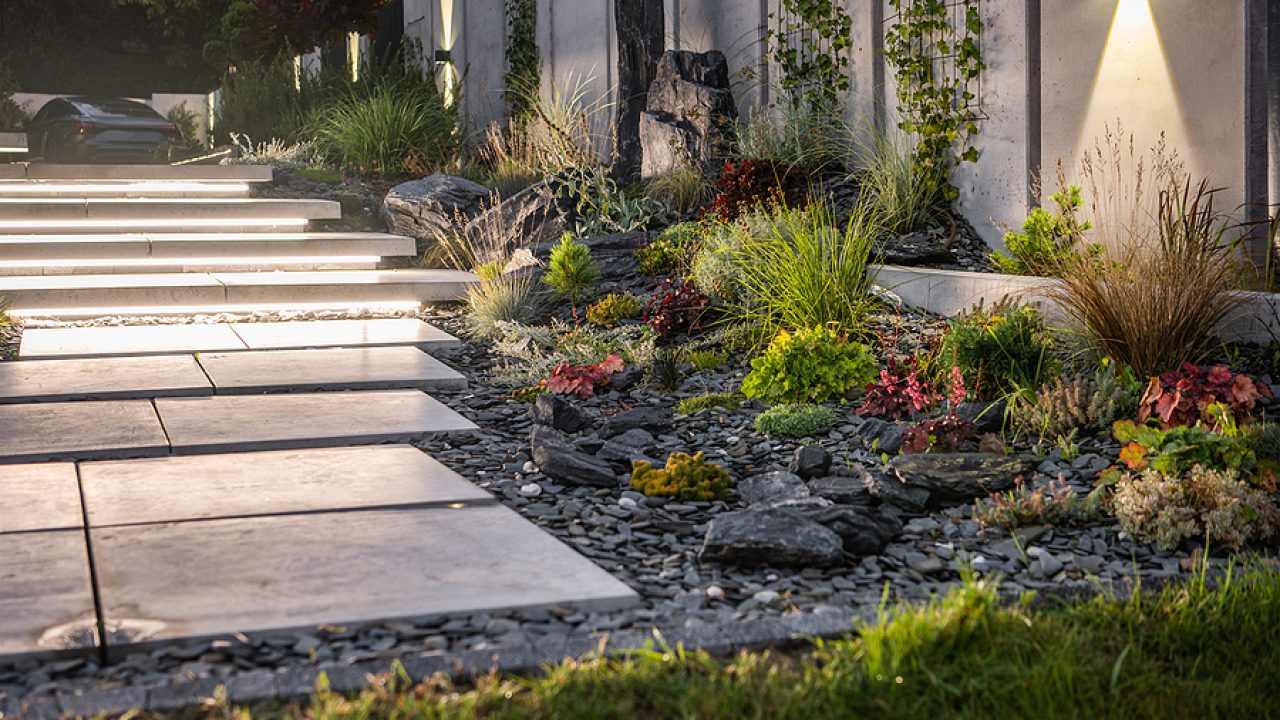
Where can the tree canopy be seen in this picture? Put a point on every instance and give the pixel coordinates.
(135, 47)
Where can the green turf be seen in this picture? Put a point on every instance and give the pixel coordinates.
(1189, 651)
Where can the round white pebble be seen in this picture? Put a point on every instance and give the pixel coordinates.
(531, 490)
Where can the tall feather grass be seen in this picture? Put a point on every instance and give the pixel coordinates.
(906, 198)
(801, 136)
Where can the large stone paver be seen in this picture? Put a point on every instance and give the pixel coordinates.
(41, 496)
(200, 487)
(255, 574)
(232, 423)
(101, 378)
(38, 343)
(375, 368)
(98, 429)
(46, 600)
(344, 333)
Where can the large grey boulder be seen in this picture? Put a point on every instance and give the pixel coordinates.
(772, 537)
(558, 413)
(432, 206)
(954, 478)
(690, 113)
(647, 417)
(540, 213)
(862, 531)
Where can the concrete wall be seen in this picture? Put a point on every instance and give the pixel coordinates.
(1058, 70)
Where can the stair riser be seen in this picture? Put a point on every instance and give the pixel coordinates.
(175, 173)
(178, 250)
(26, 302)
(267, 265)
(55, 210)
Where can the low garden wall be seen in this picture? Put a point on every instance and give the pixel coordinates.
(949, 292)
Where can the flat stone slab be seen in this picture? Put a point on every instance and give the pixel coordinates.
(236, 423)
(376, 368)
(38, 343)
(202, 487)
(91, 430)
(176, 173)
(46, 600)
(198, 579)
(344, 333)
(39, 497)
(101, 379)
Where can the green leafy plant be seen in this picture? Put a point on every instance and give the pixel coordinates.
(1173, 452)
(603, 208)
(185, 118)
(612, 308)
(1213, 505)
(707, 401)
(684, 477)
(795, 420)
(665, 370)
(571, 271)
(811, 365)
(1076, 405)
(796, 269)
(1047, 239)
(670, 251)
(935, 63)
(1001, 350)
(812, 41)
(1053, 503)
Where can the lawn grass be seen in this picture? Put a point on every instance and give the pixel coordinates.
(1190, 651)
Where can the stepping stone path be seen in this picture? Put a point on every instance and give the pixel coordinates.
(173, 482)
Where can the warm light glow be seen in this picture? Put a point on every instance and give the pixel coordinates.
(1134, 83)
(106, 310)
(447, 70)
(4, 149)
(297, 73)
(150, 223)
(84, 189)
(353, 52)
(191, 261)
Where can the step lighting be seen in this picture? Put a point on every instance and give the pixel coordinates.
(190, 261)
(28, 189)
(151, 223)
(398, 306)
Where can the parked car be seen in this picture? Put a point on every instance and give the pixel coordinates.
(100, 130)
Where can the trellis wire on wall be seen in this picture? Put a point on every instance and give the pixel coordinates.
(811, 42)
(945, 63)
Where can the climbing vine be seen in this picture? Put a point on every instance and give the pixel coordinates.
(523, 63)
(937, 60)
(811, 43)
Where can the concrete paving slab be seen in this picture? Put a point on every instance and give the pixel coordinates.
(356, 287)
(271, 573)
(56, 209)
(44, 496)
(344, 333)
(112, 378)
(91, 430)
(46, 600)
(377, 368)
(38, 343)
(238, 423)
(38, 292)
(203, 487)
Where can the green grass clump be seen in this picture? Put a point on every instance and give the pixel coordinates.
(1188, 651)
(706, 401)
(795, 421)
(511, 298)
(796, 269)
(681, 189)
(704, 359)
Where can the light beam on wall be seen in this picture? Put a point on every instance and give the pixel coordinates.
(447, 70)
(1134, 83)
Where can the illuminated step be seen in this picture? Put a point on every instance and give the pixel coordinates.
(31, 249)
(23, 215)
(99, 295)
(121, 189)
(174, 173)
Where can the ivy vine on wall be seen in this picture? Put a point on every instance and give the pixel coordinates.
(811, 42)
(936, 61)
(523, 74)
